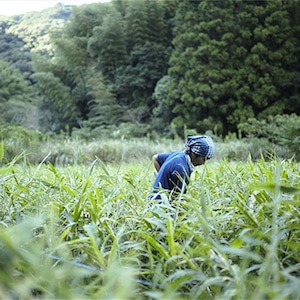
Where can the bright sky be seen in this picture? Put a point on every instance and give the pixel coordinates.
(16, 7)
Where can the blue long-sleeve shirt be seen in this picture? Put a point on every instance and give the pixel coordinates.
(174, 173)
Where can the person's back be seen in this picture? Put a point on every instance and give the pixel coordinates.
(174, 172)
(174, 168)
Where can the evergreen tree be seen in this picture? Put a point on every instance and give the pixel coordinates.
(289, 80)
(229, 62)
(181, 61)
(104, 109)
(120, 6)
(107, 45)
(156, 26)
(136, 82)
(169, 8)
(136, 24)
(270, 59)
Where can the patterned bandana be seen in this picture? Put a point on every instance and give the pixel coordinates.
(200, 145)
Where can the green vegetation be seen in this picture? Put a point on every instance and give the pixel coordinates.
(165, 65)
(282, 130)
(89, 93)
(89, 232)
(115, 147)
(276, 137)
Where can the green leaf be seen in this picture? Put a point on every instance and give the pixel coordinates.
(1, 151)
(155, 244)
(171, 241)
(270, 186)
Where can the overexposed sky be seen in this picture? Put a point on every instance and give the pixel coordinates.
(16, 7)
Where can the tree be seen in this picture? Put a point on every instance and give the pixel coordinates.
(13, 52)
(15, 95)
(136, 24)
(84, 18)
(104, 109)
(57, 110)
(107, 45)
(282, 130)
(162, 115)
(156, 27)
(272, 57)
(288, 81)
(136, 82)
(34, 28)
(62, 83)
(169, 8)
(229, 61)
(183, 65)
(120, 6)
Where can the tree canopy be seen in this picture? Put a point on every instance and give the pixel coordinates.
(164, 64)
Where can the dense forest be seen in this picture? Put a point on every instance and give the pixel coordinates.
(147, 67)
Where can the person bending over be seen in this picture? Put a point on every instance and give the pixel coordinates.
(175, 168)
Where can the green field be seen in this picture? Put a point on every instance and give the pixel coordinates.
(88, 232)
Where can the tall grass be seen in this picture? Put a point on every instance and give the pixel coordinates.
(89, 232)
(62, 150)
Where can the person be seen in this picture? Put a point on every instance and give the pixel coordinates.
(175, 168)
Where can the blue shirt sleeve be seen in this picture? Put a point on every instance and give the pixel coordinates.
(162, 157)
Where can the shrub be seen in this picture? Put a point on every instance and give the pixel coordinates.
(281, 130)
(18, 139)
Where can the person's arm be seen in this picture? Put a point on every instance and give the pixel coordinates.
(156, 162)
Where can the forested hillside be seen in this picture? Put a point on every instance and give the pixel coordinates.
(150, 66)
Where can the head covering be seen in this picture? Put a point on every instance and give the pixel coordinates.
(200, 145)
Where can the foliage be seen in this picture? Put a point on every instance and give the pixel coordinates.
(109, 149)
(162, 115)
(56, 103)
(71, 87)
(104, 108)
(116, 144)
(136, 24)
(136, 82)
(13, 52)
(170, 65)
(233, 235)
(226, 72)
(281, 130)
(16, 140)
(34, 28)
(15, 92)
(107, 45)
(144, 22)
